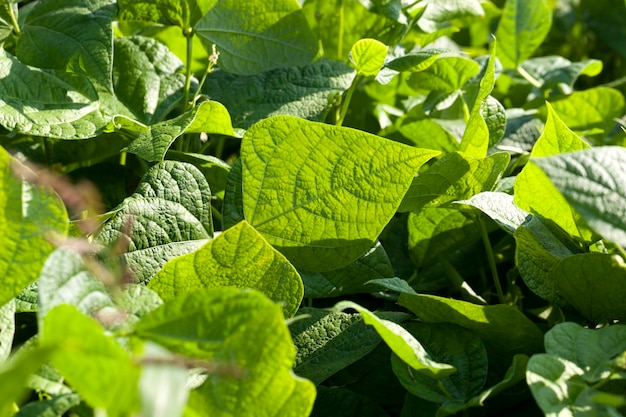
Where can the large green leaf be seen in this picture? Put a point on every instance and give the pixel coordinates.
(455, 176)
(306, 91)
(168, 215)
(322, 194)
(167, 12)
(402, 343)
(500, 208)
(540, 246)
(594, 284)
(70, 35)
(30, 215)
(350, 279)
(253, 37)
(533, 190)
(147, 78)
(447, 343)
(592, 181)
(244, 333)
(504, 329)
(523, 27)
(439, 13)
(327, 342)
(238, 257)
(595, 108)
(438, 231)
(47, 103)
(98, 368)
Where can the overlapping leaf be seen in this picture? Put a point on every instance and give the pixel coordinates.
(322, 194)
(168, 215)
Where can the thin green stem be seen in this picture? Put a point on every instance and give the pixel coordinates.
(535, 82)
(492, 260)
(221, 142)
(16, 26)
(123, 158)
(345, 103)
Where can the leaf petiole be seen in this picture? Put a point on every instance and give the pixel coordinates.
(345, 103)
(492, 260)
(16, 26)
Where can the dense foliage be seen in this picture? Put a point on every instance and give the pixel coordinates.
(327, 208)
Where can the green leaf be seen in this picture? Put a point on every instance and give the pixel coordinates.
(147, 78)
(307, 91)
(368, 57)
(350, 279)
(238, 257)
(556, 384)
(495, 116)
(94, 364)
(7, 329)
(590, 349)
(65, 279)
(594, 284)
(504, 329)
(232, 210)
(435, 232)
(454, 176)
(61, 106)
(167, 12)
(14, 375)
(439, 13)
(451, 344)
(595, 108)
(556, 71)
(69, 35)
(254, 37)
(56, 406)
(30, 216)
(416, 61)
(209, 116)
(591, 182)
(515, 374)
(245, 336)
(322, 194)
(500, 208)
(549, 203)
(446, 74)
(541, 245)
(522, 28)
(402, 343)
(330, 341)
(428, 133)
(168, 215)
(339, 24)
(214, 169)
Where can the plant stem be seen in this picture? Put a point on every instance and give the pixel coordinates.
(123, 158)
(535, 82)
(492, 260)
(345, 103)
(16, 26)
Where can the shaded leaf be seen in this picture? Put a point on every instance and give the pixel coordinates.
(402, 343)
(504, 329)
(54, 407)
(257, 37)
(342, 402)
(168, 215)
(167, 12)
(232, 210)
(439, 13)
(322, 194)
(306, 91)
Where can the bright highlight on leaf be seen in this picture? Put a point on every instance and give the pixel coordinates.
(368, 57)
(322, 194)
